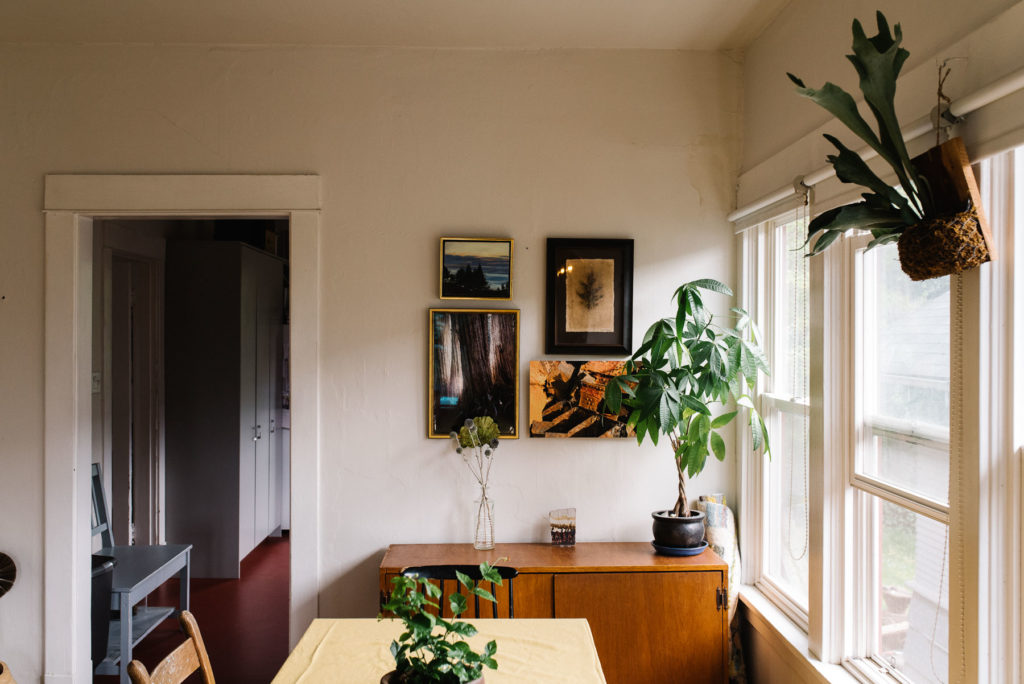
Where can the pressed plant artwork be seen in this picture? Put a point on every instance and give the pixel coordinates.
(589, 296)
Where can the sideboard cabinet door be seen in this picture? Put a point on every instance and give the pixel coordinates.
(652, 627)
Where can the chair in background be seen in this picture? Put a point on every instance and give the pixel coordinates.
(443, 573)
(181, 662)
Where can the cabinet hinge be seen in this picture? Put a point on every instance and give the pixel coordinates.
(721, 598)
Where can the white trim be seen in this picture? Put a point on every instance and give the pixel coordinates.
(751, 498)
(67, 446)
(999, 498)
(142, 194)
(901, 497)
(71, 201)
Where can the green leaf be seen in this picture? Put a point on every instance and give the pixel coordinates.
(711, 284)
(484, 594)
(878, 61)
(696, 457)
(716, 361)
(718, 446)
(856, 215)
(463, 629)
(764, 432)
(613, 395)
(666, 415)
(841, 105)
(745, 401)
(695, 404)
(723, 420)
(457, 603)
(850, 168)
(491, 573)
(756, 431)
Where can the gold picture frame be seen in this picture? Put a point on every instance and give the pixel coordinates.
(475, 268)
(472, 369)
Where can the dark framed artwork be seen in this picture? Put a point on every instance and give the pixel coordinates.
(566, 400)
(589, 296)
(473, 366)
(476, 268)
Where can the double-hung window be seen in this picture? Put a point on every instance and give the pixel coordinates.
(781, 311)
(900, 468)
(895, 465)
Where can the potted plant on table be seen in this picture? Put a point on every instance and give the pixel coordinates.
(685, 365)
(935, 216)
(432, 649)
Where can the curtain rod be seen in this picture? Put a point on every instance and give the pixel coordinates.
(961, 107)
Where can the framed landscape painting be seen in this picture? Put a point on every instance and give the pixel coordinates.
(566, 400)
(473, 366)
(589, 296)
(476, 268)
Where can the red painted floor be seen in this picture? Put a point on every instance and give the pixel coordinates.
(244, 622)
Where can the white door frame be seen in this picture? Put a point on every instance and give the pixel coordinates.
(71, 202)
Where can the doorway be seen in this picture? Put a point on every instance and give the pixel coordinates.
(71, 205)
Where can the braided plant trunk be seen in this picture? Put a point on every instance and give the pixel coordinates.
(682, 507)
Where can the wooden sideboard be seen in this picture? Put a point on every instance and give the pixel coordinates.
(655, 619)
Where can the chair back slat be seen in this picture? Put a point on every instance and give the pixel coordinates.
(178, 665)
(100, 513)
(181, 662)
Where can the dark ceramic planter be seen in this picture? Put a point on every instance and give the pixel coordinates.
(392, 678)
(684, 533)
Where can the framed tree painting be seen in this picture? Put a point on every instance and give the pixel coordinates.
(476, 268)
(473, 366)
(589, 296)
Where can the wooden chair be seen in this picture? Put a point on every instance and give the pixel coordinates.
(443, 573)
(180, 663)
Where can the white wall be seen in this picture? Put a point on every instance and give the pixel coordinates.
(410, 145)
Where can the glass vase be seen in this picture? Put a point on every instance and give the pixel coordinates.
(483, 523)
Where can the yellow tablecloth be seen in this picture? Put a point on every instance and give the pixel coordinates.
(534, 651)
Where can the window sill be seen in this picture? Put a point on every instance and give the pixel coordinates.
(788, 640)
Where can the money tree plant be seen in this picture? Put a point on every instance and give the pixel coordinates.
(685, 366)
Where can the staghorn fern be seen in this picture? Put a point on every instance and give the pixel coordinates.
(885, 211)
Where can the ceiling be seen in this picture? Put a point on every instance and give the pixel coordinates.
(602, 24)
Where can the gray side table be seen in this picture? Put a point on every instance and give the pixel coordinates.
(139, 571)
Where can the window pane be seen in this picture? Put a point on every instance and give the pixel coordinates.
(786, 529)
(913, 601)
(906, 376)
(788, 506)
(791, 341)
(908, 464)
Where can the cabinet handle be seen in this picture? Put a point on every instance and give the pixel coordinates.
(257, 433)
(271, 426)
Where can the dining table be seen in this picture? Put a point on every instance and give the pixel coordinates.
(357, 651)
